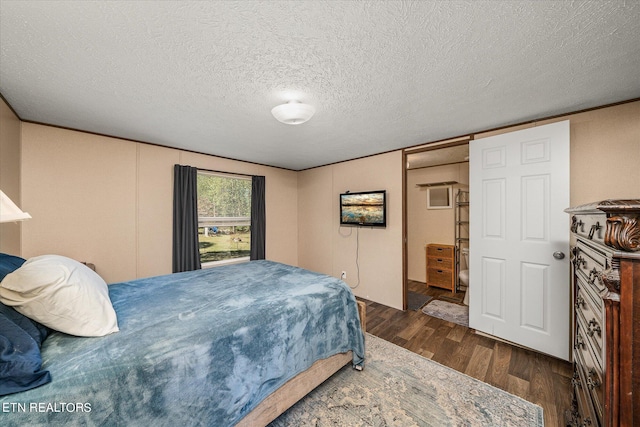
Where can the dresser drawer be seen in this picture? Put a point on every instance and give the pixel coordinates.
(585, 291)
(589, 291)
(440, 251)
(441, 263)
(590, 318)
(591, 264)
(591, 227)
(586, 414)
(591, 372)
(439, 277)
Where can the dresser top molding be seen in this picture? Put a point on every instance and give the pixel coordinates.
(616, 206)
(622, 226)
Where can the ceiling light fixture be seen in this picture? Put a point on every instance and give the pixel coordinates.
(293, 112)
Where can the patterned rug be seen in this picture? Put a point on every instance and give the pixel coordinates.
(401, 388)
(415, 300)
(450, 312)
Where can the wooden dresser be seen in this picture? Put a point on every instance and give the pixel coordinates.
(606, 331)
(440, 266)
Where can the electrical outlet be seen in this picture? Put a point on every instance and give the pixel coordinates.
(343, 276)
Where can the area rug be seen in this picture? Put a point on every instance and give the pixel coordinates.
(401, 388)
(450, 312)
(416, 300)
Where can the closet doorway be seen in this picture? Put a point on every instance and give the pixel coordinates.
(434, 174)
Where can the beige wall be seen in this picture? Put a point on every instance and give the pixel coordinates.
(425, 226)
(326, 247)
(154, 214)
(10, 241)
(605, 152)
(315, 219)
(109, 201)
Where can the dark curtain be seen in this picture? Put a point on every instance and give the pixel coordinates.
(186, 254)
(258, 218)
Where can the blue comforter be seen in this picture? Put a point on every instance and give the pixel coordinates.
(196, 348)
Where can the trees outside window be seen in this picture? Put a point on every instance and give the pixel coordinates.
(224, 217)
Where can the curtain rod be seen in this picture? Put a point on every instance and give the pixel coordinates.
(227, 172)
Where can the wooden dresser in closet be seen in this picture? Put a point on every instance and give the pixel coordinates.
(606, 332)
(440, 266)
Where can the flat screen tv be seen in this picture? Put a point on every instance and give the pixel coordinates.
(367, 208)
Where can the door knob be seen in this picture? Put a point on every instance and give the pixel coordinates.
(558, 255)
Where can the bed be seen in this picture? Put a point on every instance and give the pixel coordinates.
(234, 345)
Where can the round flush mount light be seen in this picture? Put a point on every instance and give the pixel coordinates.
(293, 112)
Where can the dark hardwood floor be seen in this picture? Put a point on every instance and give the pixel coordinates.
(538, 378)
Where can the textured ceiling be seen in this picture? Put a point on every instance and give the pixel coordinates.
(382, 75)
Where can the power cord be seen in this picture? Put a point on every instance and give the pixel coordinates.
(357, 253)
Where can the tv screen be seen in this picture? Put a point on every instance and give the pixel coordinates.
(368, 208)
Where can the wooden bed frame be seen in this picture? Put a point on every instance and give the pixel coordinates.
(300, 385)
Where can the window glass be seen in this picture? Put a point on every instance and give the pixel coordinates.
(439, 197)
(224, 217)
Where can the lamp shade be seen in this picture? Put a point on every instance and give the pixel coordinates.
(293, 112)
(9, 212)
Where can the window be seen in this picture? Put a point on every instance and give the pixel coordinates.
(439, 197)
(224, 217)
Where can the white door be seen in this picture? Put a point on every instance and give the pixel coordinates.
(518, 278)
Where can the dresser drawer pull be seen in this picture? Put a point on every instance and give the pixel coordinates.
(596, 328)
(593, 275)
(592, 380)
(580, 302)
(576, 223)
(595, 227)
(579, 342)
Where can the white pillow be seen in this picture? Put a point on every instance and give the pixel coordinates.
(62, 294)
